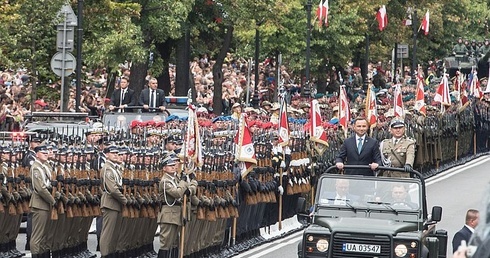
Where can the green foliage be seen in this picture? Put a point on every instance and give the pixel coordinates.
(116, 31)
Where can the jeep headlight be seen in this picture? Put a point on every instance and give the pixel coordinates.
(322, 245)
(401, 250)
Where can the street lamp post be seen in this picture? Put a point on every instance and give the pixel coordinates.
(79, 54)
(308, 39)
(414, 52)
(255, 98)
(306, 86)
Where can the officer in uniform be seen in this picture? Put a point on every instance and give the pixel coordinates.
(41, 203)
(170, 217)
(27, 161)
(399, 150)
(112, 202)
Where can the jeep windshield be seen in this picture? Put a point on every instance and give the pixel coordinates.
(371, 194)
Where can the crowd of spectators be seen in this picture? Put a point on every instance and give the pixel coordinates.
(238, 86)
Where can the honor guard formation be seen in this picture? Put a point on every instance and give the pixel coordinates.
(206, 184)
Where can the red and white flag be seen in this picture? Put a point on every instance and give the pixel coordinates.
(245, 152)
(344, 110)
(322, 13)
(283, 124)
(317, 132)
(398, 102)
(425, 23)
(193, 139)
(382, 18)
(487, 89)
(475, 88)
(371, 109)
(442, 93)
(419, 96)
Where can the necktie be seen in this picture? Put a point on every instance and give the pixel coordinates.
(359, 145)
(123, 92)
(152, 99)
(396, 141)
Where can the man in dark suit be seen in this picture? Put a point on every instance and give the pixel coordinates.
(472, 219)
(122, 97)
(152, 99)
(341, 195)
(359, 150)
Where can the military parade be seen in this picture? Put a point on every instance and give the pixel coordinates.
(161, 137)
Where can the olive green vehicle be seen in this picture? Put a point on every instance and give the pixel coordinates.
(359, 216)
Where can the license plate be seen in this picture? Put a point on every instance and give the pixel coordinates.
(361, 248)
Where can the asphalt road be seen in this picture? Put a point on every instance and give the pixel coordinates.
(455, 190)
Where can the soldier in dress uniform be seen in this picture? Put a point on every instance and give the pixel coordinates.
(27, 161)
(41, 204)
(9, 197)
(399, 150)
(112, 202)
(170, 216)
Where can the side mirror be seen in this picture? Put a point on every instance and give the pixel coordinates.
(304, 219)
(301, 205)
(436, 213)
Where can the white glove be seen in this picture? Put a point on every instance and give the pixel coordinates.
(280, 189)
(283, 164)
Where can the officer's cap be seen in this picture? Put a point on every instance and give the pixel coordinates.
(319, 95)
(111, 149)
(42, 149)
(169, 160)
(123, 150)
(171, 139)
(397, 123)
(266, 103)
(6, 149)
(275, 106)
(36, 139)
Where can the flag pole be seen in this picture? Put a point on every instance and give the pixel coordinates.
(280, 168)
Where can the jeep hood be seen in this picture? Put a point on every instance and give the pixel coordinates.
(366, 225)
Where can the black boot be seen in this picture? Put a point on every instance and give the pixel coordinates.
(4, 250)
(163, 253)
(28, 244)
(13, 246)
(151, 250)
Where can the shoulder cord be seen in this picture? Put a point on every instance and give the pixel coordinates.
(165, 194)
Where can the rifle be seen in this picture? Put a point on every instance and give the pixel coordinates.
(68, 198)
(54, 210)
(125, 210)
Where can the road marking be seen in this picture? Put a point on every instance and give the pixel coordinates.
(456, 170)
(294, 238)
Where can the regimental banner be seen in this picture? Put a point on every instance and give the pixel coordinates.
(283, 124)
(193, 139)
(245, 154)
(318, 136)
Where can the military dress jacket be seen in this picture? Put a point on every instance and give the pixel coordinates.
(399, 154)
(112, 197)
(41, 197)
(171, 193)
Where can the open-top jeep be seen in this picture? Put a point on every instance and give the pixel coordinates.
(361, 216)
